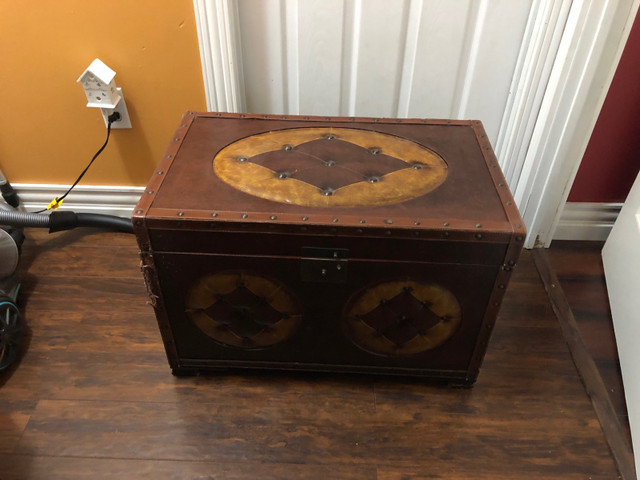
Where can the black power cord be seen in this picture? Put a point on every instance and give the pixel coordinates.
(55, 203)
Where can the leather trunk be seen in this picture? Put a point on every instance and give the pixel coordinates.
(328, 244)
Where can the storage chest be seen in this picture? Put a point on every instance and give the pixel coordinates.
(327, 244)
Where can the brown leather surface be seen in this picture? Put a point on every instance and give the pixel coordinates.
(330, 167)
(243, 309)
(468, 194)
(403, 317)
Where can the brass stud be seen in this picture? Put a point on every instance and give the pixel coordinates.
(374, 151)
(273, 217)
(478, 225)
(388, 221)
(446, 224)
(138, 211)
(362, 220)
(168, 156)
(416, 223)
(180, 214)
(138, 223)
(160, 172)
(287, 147)
(150, 192)
(214, 214)
(334, 220)
(242, 159)
(304, 219)
(244, 215)
(177, 139)
(478, 236)
(501, 286)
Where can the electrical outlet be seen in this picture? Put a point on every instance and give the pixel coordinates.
(121, 108)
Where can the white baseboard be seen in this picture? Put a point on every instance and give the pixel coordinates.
(579, 220)
(587, 221)
(108, 200)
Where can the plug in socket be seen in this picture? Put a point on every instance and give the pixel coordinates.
(121, 108)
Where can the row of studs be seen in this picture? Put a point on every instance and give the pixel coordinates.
(350, 119)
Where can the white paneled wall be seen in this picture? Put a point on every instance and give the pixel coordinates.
(534, 71)
(393, 58)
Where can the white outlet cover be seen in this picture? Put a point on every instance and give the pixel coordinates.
(121, 108)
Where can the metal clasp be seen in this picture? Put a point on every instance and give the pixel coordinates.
(327, 265)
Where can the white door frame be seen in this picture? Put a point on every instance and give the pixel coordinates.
(567, 61)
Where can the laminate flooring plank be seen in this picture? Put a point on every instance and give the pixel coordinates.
(609, 419)
(93, 396)
(497, 472)
(338, 434)
(99, 294)
(578, 266)
(20, 467)
(14, 416)
(114, 333)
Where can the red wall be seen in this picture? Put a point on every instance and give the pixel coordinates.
(612, 159)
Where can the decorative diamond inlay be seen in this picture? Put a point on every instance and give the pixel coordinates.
(401, 317)
(243, 310)
(330, 167)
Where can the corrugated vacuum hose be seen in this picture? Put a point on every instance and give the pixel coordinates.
(65, 220)
(10, 331)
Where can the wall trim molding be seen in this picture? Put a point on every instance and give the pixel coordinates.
(109, 200)
(543, 33)
(587, 221)
(592, 42)
(578, 221)
(220, 54)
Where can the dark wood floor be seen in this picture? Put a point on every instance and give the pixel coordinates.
(578, 266)
(93, 396)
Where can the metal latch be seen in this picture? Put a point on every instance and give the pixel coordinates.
(328, 265)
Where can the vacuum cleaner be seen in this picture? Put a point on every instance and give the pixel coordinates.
(13, 220)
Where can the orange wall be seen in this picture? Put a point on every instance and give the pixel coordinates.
(47, 134)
